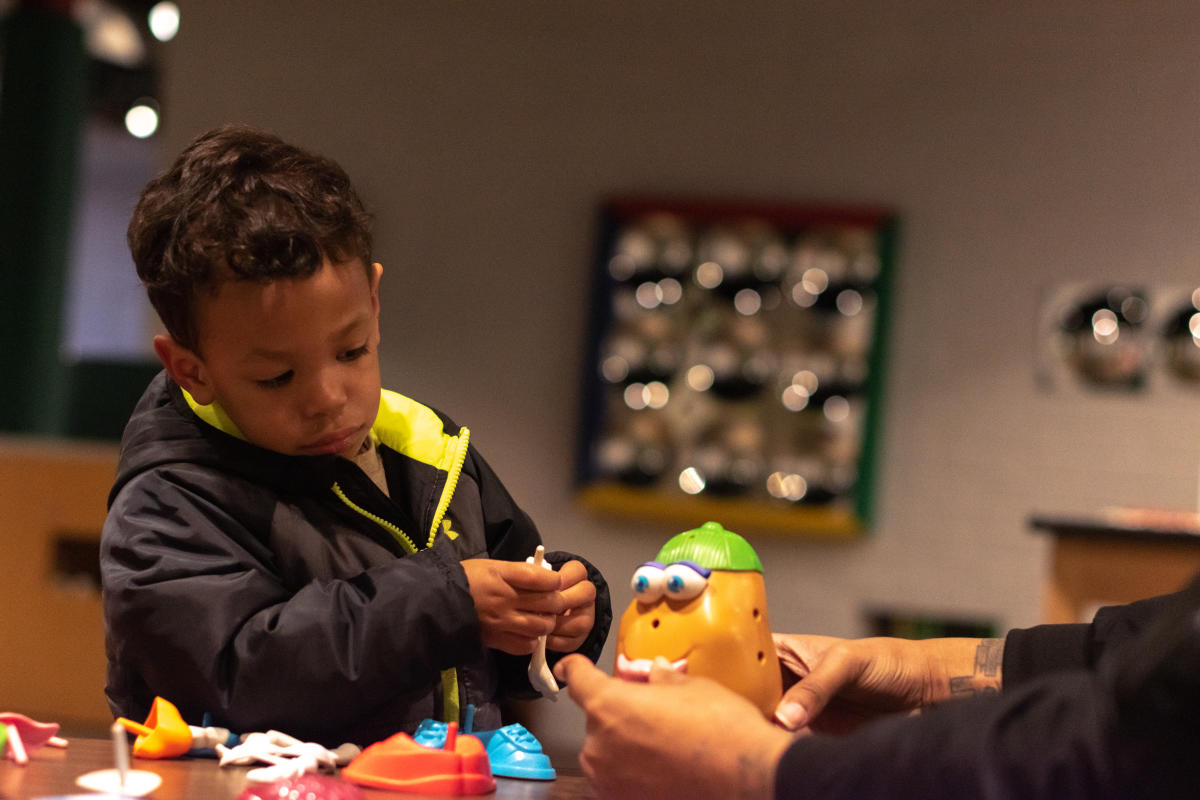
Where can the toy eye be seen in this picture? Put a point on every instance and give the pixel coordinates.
(649, 582)
(683, 582)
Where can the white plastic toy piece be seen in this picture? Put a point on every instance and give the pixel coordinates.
(121, 781)
(539, 671)
(286, 756)
(16, 747)
(208, 738)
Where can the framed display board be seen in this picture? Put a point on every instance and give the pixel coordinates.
(735, 364)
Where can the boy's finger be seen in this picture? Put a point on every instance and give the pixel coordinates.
(581, 676)
(574, 624)
(580, 595)
(569, 634)
(515, 645)
(547, 603)
(525, 625)
(571, 573)
(564, 644)
(520, 575)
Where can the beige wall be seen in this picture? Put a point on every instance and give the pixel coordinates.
(1025, 145)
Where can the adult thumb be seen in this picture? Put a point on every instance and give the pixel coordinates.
(806, 699)
(792, 712)
(581, 676)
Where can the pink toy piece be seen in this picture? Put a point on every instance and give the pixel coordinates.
(316, 787)
(26, 736)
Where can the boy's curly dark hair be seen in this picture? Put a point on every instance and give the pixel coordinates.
(241, 204)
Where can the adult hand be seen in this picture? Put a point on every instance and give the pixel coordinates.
(675, 736)
(839, 684)
(516, 602)
(572, 626)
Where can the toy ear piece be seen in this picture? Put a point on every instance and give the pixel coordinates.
(649, 583)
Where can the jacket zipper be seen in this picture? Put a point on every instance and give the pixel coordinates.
(460, 457)
(452, 475)
(394, 530)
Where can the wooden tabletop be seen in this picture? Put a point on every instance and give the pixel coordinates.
(52, 772)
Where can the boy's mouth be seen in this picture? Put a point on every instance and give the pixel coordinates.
(337, 442)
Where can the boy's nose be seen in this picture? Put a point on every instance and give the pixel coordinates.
(325, 396)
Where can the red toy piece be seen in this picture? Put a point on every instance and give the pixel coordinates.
(398, 763)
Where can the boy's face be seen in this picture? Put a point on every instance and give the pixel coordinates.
(294, 363)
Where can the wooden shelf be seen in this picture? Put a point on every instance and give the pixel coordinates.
(1115, 556)
(828, 523)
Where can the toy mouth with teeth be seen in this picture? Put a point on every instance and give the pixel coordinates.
(639, 669)
(702, 606)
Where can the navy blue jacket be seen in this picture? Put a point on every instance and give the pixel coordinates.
(290, 593)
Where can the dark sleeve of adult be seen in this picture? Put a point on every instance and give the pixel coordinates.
(1031, 652)
(1124, 730)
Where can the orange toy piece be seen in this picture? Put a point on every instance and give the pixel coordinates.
(165, 734)
(399, 763)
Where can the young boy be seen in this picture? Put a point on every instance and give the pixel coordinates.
(288, 546)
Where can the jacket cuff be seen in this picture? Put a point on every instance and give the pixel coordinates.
(594, 644)
(1030, 652)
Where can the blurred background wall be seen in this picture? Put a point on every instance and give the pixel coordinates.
(1024, 146)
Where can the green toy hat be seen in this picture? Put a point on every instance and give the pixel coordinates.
(713, 547)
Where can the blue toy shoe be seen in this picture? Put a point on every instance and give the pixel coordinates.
(431, 733)
(514, 752)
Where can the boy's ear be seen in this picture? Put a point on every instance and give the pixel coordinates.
(184, 367)
(376, 273)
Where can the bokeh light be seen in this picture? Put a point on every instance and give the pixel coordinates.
(141, 120)
(164, 21)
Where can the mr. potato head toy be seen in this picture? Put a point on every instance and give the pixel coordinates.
(702, 605)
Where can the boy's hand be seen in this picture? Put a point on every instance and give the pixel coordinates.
(572, 626)
(516, 602)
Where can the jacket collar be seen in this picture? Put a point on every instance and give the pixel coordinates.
(402, 424)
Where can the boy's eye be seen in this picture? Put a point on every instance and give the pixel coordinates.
(276, 382)
(356, 353)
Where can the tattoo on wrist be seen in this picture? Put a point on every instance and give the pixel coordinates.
(986, 675)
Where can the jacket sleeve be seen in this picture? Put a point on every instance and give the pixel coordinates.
(1031, 652)
(1122, 730)
(594, 643)
(196, 611)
